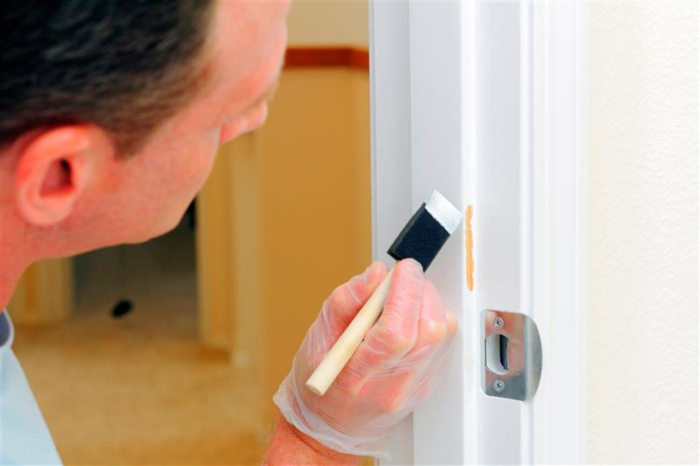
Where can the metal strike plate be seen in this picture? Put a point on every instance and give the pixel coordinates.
(512, 355)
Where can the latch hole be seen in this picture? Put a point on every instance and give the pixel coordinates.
(497, 353)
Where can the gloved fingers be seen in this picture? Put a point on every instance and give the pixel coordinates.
(437, 345)
(394, 368)
(437, 324)
(428, 361)
(452, 323)
(396, 331)
(403, 380)
(432, 374)
(432, 325)
(336, 314)
(347, 299)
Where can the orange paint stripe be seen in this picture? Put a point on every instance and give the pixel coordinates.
(470, 249)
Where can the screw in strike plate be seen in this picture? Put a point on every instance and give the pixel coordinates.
(498, 322)
(499, 385)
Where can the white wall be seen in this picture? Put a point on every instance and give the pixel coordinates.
(328, 22)
(643, 208)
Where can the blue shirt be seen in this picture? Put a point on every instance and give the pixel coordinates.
(24, 437)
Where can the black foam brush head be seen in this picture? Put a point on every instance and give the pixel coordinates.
(427, 231)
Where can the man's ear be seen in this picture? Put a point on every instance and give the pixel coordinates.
(55, 167)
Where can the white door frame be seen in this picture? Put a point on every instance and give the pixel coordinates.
(486, 102)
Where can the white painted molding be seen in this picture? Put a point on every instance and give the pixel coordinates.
(486, 102)
(559, 274)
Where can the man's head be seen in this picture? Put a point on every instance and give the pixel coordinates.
(111, 111)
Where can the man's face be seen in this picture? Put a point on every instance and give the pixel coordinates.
(146, 194)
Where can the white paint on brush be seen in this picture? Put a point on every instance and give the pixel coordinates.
(444, 212)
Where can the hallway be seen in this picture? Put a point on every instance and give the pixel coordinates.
(139, 389)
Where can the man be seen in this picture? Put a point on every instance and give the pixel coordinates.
(111, 113)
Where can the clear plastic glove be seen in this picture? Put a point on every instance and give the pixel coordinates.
(392, 371)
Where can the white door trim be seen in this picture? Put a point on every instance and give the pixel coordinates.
(486, 102)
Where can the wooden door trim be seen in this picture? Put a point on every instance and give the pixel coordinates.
(322, 57)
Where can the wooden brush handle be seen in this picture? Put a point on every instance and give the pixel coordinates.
(343, 349)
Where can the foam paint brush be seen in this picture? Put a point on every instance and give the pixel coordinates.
(421, 239)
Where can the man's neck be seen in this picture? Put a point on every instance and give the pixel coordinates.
(8, 281)
(13, 260)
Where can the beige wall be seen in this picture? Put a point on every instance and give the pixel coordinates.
(643, 240)
(299, 218)
(44, 294)
(315, 202)
(328, 22)
(286, 216)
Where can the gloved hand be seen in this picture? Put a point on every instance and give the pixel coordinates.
(392, 371)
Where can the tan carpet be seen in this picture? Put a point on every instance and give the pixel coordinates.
(140, 389)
